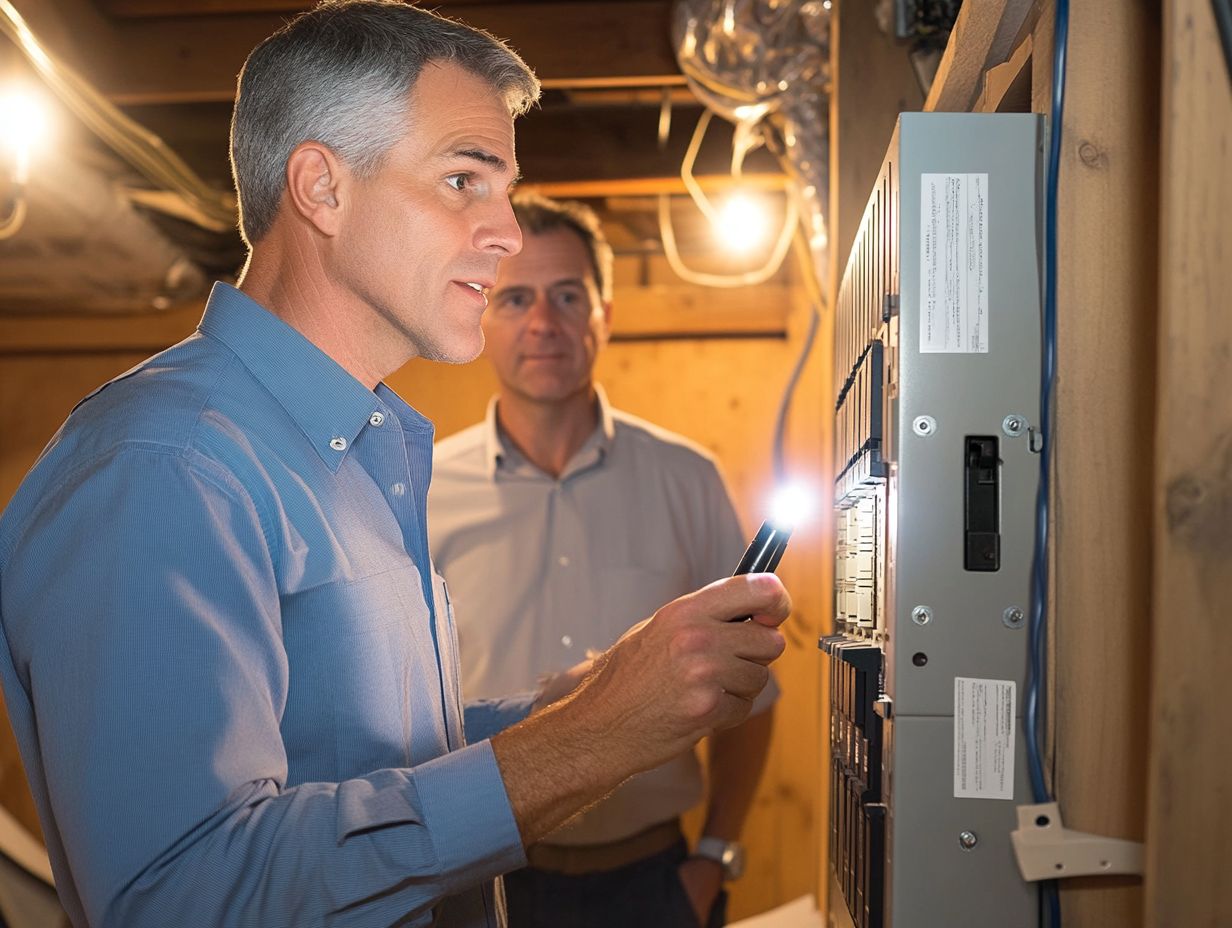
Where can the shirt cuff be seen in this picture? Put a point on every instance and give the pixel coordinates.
(467, 812)
(487, 717)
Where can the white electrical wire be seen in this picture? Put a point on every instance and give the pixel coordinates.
(11, 224)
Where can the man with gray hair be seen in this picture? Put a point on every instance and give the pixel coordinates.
(229, 663)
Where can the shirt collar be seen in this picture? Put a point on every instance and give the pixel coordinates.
(328, 405)
(500, 451)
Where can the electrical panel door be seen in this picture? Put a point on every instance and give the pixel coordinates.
(937, 372)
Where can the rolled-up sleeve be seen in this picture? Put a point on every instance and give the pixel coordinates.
(142, 615)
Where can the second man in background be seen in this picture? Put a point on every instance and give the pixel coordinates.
(555, 502)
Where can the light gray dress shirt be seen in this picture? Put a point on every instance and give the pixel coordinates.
(541, 569)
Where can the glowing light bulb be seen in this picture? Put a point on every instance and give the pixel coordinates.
(23, 127)
(791, 505)
(741, 223)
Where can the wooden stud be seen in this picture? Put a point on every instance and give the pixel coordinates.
(1190, 805)
(197, 59)
(1100, 528)
(982, 37)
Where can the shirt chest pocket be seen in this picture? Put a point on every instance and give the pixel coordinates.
(364, 684)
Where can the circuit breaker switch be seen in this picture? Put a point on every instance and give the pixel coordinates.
(981, 504)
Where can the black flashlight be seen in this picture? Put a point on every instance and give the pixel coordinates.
(763, 553)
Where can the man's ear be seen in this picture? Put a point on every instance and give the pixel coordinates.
(314, 178)
(607, 320)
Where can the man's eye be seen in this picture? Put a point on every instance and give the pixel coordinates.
(458, 181)
(568, 299)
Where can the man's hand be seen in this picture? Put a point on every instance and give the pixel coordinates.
(702, 879)
(689, 670)
(686, 672)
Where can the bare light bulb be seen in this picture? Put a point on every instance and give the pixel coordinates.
(23, 126)
(741, 224)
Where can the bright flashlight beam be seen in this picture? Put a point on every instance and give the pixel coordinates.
(791, 506)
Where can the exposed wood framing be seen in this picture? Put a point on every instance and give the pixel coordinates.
(593, 151)
(1190, 808)
(1007, 87)
(148, 8)
(982, 37)
(1101, 547)
(193, 59)
(652, 186)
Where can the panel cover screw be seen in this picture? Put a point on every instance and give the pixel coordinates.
(1014, 426)
(921, 615)
(924, 425)
(967, 840)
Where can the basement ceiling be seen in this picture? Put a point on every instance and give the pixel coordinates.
(91, 244)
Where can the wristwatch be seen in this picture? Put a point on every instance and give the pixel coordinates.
(727, 854)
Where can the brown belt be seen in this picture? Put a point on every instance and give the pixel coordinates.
(593, 858)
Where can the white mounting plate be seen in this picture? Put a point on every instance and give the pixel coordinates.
(1046, 850)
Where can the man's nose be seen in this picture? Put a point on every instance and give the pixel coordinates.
(500, 233)
(542, 316)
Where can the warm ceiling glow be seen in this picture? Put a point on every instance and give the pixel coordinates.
(742, 223)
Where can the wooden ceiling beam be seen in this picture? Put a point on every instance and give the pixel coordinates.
(196, 58)
(144, 9)
(587, 151)
(640, 187)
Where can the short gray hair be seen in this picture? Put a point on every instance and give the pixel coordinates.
(341, 74)
(537, 214)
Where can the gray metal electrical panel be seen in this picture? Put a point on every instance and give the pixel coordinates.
(937, 371)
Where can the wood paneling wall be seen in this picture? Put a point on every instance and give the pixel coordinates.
(1104, 414)
(720, 391)
(1190, 809)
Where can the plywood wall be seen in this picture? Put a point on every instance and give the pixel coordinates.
(720, 391)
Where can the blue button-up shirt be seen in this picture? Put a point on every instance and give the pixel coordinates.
(228, 662)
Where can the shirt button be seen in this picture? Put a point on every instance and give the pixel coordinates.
(377, 419)
(398, 489)
(338, 443)
(562, 561)
(566, 640)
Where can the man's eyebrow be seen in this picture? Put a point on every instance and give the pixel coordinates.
(483, 157)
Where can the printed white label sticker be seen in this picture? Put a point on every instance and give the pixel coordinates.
(954, 263)
(984, 723)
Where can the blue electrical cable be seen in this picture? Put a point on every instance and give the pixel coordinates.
(778, 456)
(1034, 707)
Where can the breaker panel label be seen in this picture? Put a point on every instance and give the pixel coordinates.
(954, 263)
(983, 738)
